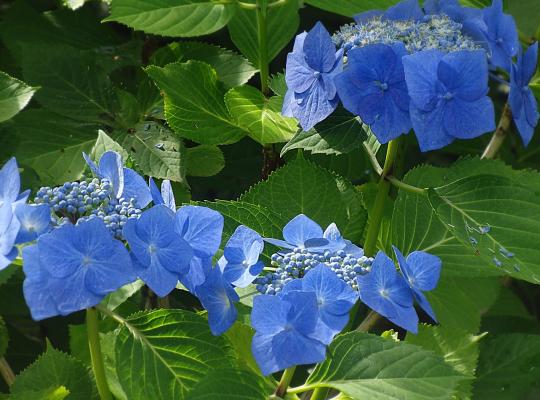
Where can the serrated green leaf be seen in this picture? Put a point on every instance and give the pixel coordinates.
(229, 384)
(105, 143)
(350, 8)
(259, 115)
(54, 393)
(165, 353)
(204, 160)
(240, 336)
(14, 96)
(496, 218)
(161, 17)
(194, 105)
(367, 366)
(54, 368)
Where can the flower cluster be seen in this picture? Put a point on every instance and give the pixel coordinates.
(408, 67)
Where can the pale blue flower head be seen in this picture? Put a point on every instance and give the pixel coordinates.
(9, 229)
(521, 99)
(385, 291)
(10, 184)
(448, 96)
(165, 196)
(311, 67)
(303, 233)
(284, 327)
(35, 220)
(160, 255)
(240, 262)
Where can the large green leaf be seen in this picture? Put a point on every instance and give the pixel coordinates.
(496, 218)
(54, 369)
(177, 18)
(350, 8)
(508, 367)
(281, 25)
(164, 353)
(194, 105)
(365, 366)
(303, 187)
(204, 160)
(259, 115)
(14, 96)
(229, 384)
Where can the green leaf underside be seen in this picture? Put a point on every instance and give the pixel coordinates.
(161, 17)
(367, 366)
(204, 160)
(14, 96)
(350, 8)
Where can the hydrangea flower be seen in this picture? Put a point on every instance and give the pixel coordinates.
(448, 96)
(9, 228)
(303, 233)
(284, 328)
(373, 87)
(201, 227)
(35, 220)
(165, 196)
(218, 297)
(501, 35)
(78, 265)
(311, 67)
(421, 271)
(240, 262)
(521, 99)
(334, 300)
(10, 184)
(385, 291)
(159, 254)
(126, 182)
(336, 242)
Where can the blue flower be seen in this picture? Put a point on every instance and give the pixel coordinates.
(201, 227)
(10, 185)
(521, 99)
(311, 67)
(35, 220)
(159, 253)
(448, 96)
(218, 297)
(284, 327)
(386, 292)
(303, 233)
(9, 228)
(373, 87)
(405, 10)
(126, 183)
(78, 265)
(240, 262)
(337, 242)
(501, 35)
(334, 300)
(165, 196)
(421, 271)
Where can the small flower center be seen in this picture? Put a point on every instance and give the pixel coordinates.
(316, 74)
(86, 261)
(382, 85)
(447, 96)
(384, 293)
(245, 263)
(152, 248)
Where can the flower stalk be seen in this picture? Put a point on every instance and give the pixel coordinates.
(284, 382)
(92, 326)
(500, 134)
(6, 371)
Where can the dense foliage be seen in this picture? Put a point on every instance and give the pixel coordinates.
(262, 199)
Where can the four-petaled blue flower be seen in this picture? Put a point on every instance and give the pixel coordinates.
(78, 265)
(240, 262)
(159, 253)
(303, 233)
(311, 67)
(284, 327)
(10, 185)
(334, 300)
(501, 34)
(9, 228)
(373, 87)
(35, 220)
(385, 291)
(521, 99)
(448, 96)
(165, 196)
(421, 271)
(218, 297)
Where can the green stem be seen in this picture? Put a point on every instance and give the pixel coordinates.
(368, 322)
(263, 47)
(6, 371)
(284, 382)
(92, 326)
(320, 393)
(500, 134)
(408, 188)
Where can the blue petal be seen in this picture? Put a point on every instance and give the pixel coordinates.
(198, 269)
(406, 318)
(263, 352)
(298, 46)
(93, 167)
(244, 245)
(304, 312)
(10, 182)
(429, 127)
(168, 194)
(313, 106)
(72, 295)
(469, 119)
(405, 10)
(527, 64)
(136, 188)
(111, 168)
(424, 304)
(298, 75)
(292, 348)
(35, 220)
(9, 229)
(154, 192)
(367, 16)
(57, 252)
(289, 104)
(319, 49)
(301, 228)
(269, 314)
(201, 227)
(279, 243)
(526, 130)
(421, 77)
(501, 34)
(156, 277)
(465, 74)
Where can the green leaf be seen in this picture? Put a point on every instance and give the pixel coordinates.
(204, 160)
(55, 368)
(496, 218)
(163, 17)
(54, 393)
(194, 105)
(167, 352)
(259, 115)
(232, 69)
(281, 24)
(508, 367)
(14, 96)
(105, 143)
(350, 8)
(340, 133)
(367, 366)
(157, 151)
(229, 384)
(4, 337)
(303, 187)
(115, 299)
(240, 336)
